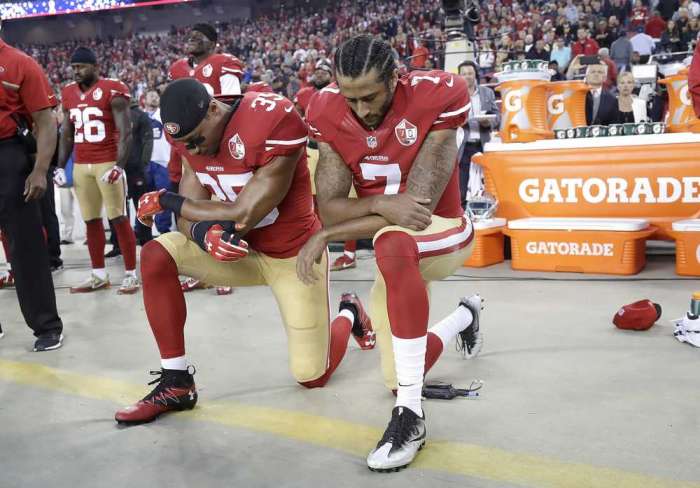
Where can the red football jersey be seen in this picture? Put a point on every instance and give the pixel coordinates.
(381, 159)
(303, 97)
(96, 134)
(24, 88)
(209, 72)
(259, 87)
(264, 126)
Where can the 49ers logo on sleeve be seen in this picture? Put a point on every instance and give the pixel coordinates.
(171, 128)
(207, 70)
(236, 147)
(406, 133)
(97, 94)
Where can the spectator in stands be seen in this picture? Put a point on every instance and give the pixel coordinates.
(477, 130)
(555, 71)
(611, 79)
(601, 106)
(639, 14)
(689, 33)
(420, 55)
(617, 8)
(655, 26)
(629, 108)
(561, 53)
(621, 51)
(487, 57)
(667, 8)
(538, 51)
(571, 12)
(604, 36)
(585, 45)
(643, 44)
(671, 39)
(681, 17)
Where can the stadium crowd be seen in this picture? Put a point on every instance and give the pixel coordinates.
(283, 48)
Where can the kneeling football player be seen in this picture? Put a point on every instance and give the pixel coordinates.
(250, 153)
(394, 137)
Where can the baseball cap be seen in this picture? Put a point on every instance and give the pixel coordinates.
(183, 106)
(639, 315)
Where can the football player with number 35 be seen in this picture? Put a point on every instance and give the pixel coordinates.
(97, 124)
(249, 153)
(394, 136)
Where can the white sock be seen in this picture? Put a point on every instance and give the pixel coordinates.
(409, 358)
(448, 328)
(131, 272)
(174, 363)
(349, 254)
(348, 315)
(101, 273)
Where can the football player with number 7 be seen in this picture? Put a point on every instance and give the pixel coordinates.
(98, 126)
(249, 152)
(394, 137)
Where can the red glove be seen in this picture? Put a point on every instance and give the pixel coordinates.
(149, 205)
(112, 175)
(223, 245)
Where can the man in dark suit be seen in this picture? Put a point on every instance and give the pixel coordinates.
(601, 105)
(477, 130)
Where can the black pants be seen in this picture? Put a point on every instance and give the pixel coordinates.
(470, 149)
(50, 221)
(21, 223)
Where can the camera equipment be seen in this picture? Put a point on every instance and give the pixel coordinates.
(460, 17)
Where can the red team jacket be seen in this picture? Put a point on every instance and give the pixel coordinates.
(96, 135)
(209, 73)
(264, 126)
(381, 159)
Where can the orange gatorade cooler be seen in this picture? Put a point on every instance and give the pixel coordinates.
(524, 111)
(681, 116)
(579, 245)
(488, 243)
(687, 234)
(566, 104)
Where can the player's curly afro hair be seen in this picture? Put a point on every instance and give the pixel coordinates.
(360, 54)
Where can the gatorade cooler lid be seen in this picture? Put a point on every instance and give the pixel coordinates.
(596, 224)
(690, 225)
(490, 223)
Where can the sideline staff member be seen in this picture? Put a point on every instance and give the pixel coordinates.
(25, 97)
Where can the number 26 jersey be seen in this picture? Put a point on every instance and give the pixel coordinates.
(96, 135)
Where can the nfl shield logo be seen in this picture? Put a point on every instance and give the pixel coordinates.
(236, 147)
(371, 142)
(406, 133)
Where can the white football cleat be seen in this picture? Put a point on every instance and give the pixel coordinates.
(403, 438)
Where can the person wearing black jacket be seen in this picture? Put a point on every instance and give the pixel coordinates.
(139, 157)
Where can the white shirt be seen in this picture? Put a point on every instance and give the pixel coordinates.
(475, 110)
(643, 44)
(161, 147)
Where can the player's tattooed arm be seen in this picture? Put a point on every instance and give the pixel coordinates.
(122, 119)
(433, 167)
(65, 142)
(265, 190)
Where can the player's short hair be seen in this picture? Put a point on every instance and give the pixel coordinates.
(360, 54)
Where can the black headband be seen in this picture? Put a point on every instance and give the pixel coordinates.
(83, 55)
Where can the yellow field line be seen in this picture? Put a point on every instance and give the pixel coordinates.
(356, 439)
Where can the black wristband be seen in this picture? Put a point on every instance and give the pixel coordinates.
(199, 230)
(172, 201)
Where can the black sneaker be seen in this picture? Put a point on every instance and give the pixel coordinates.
(114, 252)
(470, 340)
(66, 242)
(48, 341)
(175, 390)
(402, 440)
(1, 332)
(56, 265)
